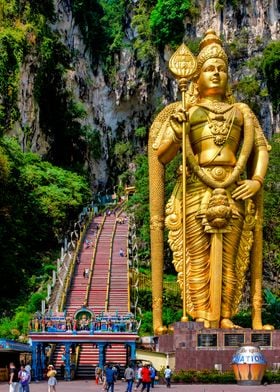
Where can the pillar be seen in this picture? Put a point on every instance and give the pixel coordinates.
(101, 347)
(132, 350)
(34, 361)
(68, 361)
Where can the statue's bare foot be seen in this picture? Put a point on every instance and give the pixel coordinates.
(268, 327)
(202, 320)
(228, 324)
(162, 330)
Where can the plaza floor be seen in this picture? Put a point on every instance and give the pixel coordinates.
(90, 386)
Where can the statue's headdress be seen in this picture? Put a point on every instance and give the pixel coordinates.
(210, 47)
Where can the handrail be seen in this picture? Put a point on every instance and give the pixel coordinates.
(92, 263)
(72, 265)
(110, 262)
(128, 271)
(110, 268)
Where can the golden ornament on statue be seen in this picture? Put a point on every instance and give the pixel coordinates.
(182, 63)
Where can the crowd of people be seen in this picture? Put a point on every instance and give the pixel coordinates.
(142, 377)
(19, 379)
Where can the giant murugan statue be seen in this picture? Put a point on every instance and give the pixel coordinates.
(214, 215)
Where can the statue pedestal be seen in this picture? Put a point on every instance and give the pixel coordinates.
(198, 348)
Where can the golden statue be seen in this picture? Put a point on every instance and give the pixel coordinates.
(214, 215)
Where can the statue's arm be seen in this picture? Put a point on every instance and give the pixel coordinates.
(168, 149)
(172, 140)
(261, 155)
(257, 166)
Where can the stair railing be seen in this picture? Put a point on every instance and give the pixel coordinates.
(68, 256)
(128, 269)
(92, 263)
(71, 269)
(110, 263)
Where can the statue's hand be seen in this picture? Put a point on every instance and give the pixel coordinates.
(176, 121)
(246, 189)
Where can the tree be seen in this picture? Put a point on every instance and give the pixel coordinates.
(37, 202)
(271, 69)
(166, 21)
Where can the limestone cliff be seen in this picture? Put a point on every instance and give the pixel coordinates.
(116, 109)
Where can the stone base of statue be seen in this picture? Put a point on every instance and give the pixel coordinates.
(197, 348)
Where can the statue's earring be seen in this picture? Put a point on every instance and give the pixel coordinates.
(192, 93)
(229, 95)
(195, 90)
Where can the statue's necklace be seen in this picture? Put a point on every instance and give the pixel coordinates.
(219, 125)
(215, 106)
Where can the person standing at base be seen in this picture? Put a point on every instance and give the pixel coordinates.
(146, 378)
(167, 376)
(24, 379)
(129, 377)
(153, 375)
(139, 377)
(104, 383)
(98, 375)
(52, 381)
(13, 380)
(110, 378)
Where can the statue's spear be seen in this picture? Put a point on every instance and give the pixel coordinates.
(183, 65)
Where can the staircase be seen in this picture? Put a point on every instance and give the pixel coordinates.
(98, 291)
(56, 359)
(116, 354)
(109, 275)
(77, 293)
(119, 279)
(88, 360)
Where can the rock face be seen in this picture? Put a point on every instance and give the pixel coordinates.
(117, 110)
(260, 17)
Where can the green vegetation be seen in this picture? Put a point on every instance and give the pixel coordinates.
(93, 141)
(139, 203)
(88, 16)
(170, 313)
(102, 25)
(143, 43)
(203, 377)
(250, 89)
(59, 111)
(17, 326)
(220, 4)
(38, 201)
(238, 47)
(166, 21)
(212, 377)
(271, 69)
(12, 46)
(272, 210)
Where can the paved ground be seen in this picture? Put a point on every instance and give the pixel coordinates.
(88, 386)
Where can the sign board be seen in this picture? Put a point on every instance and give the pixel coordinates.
(233, 339)
(262, 339)
(207, 340)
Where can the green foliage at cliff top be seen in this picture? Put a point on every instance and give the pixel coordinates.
(271, 68)
(166, 21)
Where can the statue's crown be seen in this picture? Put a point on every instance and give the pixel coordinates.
(210, 47)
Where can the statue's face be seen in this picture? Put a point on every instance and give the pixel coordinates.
(213, 78)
